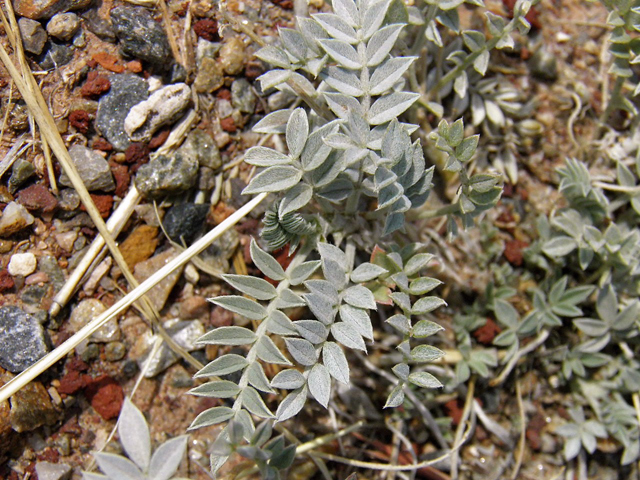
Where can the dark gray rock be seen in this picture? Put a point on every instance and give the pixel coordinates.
(56, 56)
(141, 36)
(21, 171)
(242, 96)
(184, 221)
(126, 91)
(200, 146)
(544, 65)
(49, 265)
(93, 169)
(22, 341)
(33, 35)
(97, 25)
(166, 176)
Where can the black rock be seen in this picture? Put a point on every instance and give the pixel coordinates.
(100, 27)
(141, 36)
(56, 56)
(22, 341)
(185, 221)
(126, 91)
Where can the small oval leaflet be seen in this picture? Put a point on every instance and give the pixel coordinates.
(228, 336)
(424, 379)
(223, 366)
(320, 384)
(288, 380)
(216, 389)
(336, 362)
(302, 351)
(255, 287)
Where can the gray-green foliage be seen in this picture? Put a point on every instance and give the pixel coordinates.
(136, 442)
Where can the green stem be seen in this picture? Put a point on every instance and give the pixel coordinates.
(440, 212)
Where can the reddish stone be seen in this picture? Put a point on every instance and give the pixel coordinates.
(513, 251)
(102, 145)
(95, 85)
(76, 363)
(453, 409)
(253, 70)
(104, 203)
(487, 332)
(108, 62)
(220, 317)
(224, 94)
(228, 125)
(49, 455)
(106, 396)
(286, 4)
(37, 197)
(6, 282)
(534, 427)
(159, 138)
(207, 28)
(136, 154)
(134, 66)
(72, 382)
(122, 178)
(80, 120)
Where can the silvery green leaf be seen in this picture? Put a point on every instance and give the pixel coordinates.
(381, 44)
(320, 384)
(344, 81)
(417, 263)
(274, 56)
(423, 285)
(328, 172)
(242, 306)
(273, 179)
(302, 351)
(335, 273)
(400, 322)
(467, 148)
(425, 328)
(331, 252)
(292, 404)
(288, 380)
(461, 84)
(337, 190)
(262, 435)
(506, 41)
(273, 78)
(373, 17)
(323, 287)
(559, 246)
(265, 157)
(339, 141)
(212, 416)
(255, 287)
(426, 353)
(268, 352)
(342, 52)
(426, 305)
(316, 151)
(494, 113)
(279, 324)
(473, 39)
(93, 476)
(312, 32)
(301, 84)
(358, 318)
(337, 27)
(303, 271)
(297, 132)
(347, 10)
(334, 359)
(266, 263)
(607, 303)
(321, 307)
(312, 330)
(295, 199)
(223, 366)
(228, 336)
(294, 42)
(289, 299)
(496, 23)
(402, 300)
(275, 122)
(393, 222)
(404, 348)
(391, 106)
(252, 401)
(257, 378)
(134, 435)
(481, 63)
(401, 370)
(433, 34)
(348, 336)
(366, 272)
(384, 177)
(244, 419)
(450, 19)
(216, 389)
(387, 74)
(425, 380)
(115, 466)
(396, 397)
(478, 112)
(360, 296)
(342, 105)
(167, 458)
(388, 195)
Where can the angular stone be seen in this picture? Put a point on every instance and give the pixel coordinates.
(53, 471)
(14, 218)
(141, 36)
(63, 26)
(93, 169)
(49, 265)
(22, 341)
(42, 9)
(184, 221)
(126, 91)
(56, 56)
(242, 96)
(139, 245)
(31, 408)
(232, 55)
(87, 310)
(163, 107)
(200, 146)
(33, 35)
(158, 295)
(166, 176)
(21, 171)
(210, 76)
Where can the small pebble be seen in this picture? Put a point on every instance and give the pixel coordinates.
(93, 169)
(158, 295)
(166, 176)
(52, 471)
(91, 352)
(87, 310)
(200, 146)
(33, 35)
(184, 221)
(56, 56)
(31, 408)
(210, 76)
(37, 197)
(22, 340)
(544, 65)
(14, 218)
(43, 9)
(242, 96)
(115, 351)
(232, 55)
(21, 171)
(22, 264)
(63, 26)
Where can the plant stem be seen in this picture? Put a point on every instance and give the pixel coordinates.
(440, 212)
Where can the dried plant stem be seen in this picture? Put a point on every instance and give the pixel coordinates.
(44, 363)
(540, 339)
(115, 225)
(468, 404)
(523, 430)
